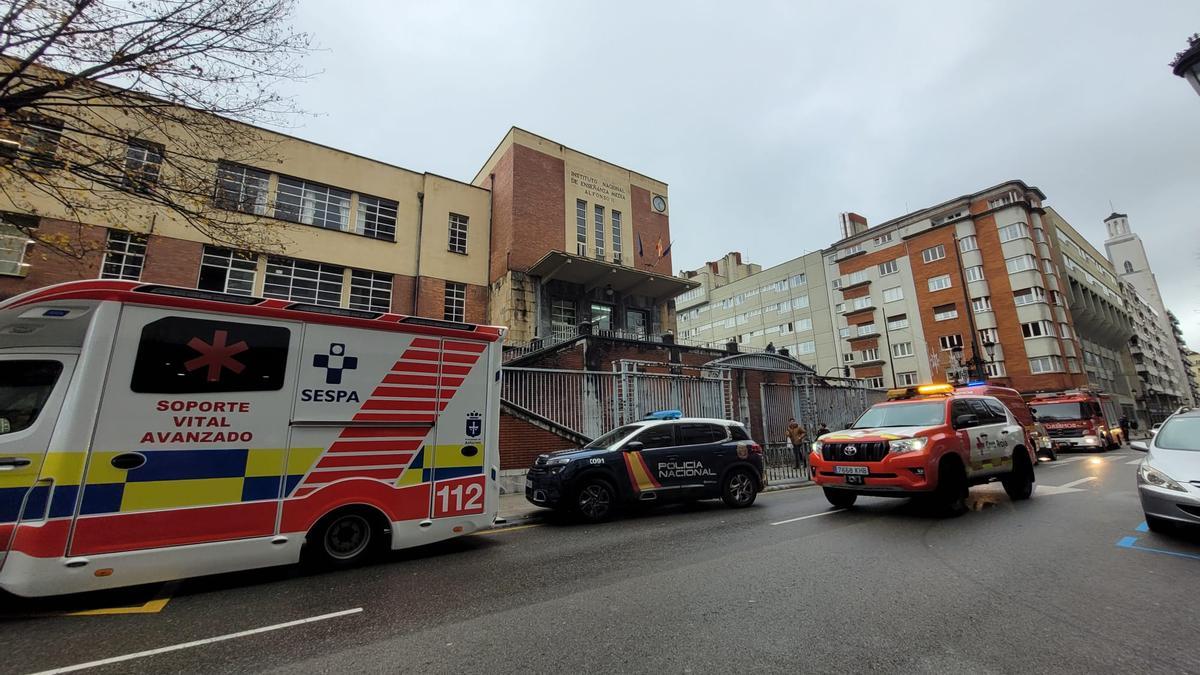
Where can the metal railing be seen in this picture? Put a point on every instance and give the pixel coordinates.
(836, 404)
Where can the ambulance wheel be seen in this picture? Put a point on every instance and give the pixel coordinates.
(739, 489)
(345, 538)
(843, 499)
(595, 500)
(1019, 483)
(950, 496)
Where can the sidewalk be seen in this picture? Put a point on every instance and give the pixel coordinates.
(516, 510)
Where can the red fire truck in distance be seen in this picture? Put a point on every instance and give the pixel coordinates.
(1079, 419)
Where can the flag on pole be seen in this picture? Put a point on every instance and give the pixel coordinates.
(641, 253)
(666, 250)
(658, 247)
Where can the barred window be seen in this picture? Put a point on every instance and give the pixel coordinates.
(455, 302)
(240, 188)
(312, 204)
(371, 291)
(616, 236)
(227, 271)
(303, 281)
(143, 162)
(124, 255)
(580, 227)
(599, 231)
(376, 217)
(458, 233)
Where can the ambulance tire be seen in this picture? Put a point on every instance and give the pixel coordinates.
(345, 538)
(843, 499)
(950, 496)
(1019, 483)
(595, 500)
(739, 489)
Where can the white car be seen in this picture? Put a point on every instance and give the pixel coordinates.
(1168, 478)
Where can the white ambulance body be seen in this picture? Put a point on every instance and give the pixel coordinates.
(150, 433)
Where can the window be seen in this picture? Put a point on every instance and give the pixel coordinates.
(699, 434)
(785, 329)
(798, 280)
(847, 252)
(995, 369)
(897, 322)
(906, 379)
(1128, 267)
(808, 347)
(1064, 330)
(1035, 329)
(371, 291)
(39, 138)
(983, 304)
(580, 227)
(987, 335)
(227, 271)
(376, 218)
(124, 255)
(1039, 236)
(933, 253)
(873, 382)
(939, 283)
(799, 302)
(803, 325)
(599, 220)
(458, 233)
(165, 361)
(973, 273)
(1072, 364)
(948, 342)
(1014, 231)
(616, 236)
(848, 357)
(1021, 263)
(26, 386)
(13, 246)
(240, 188)
(143, 161)
(1029, 296)
(312, 204)
(1055, 298)
(902, 349)
(871, 354)
(1045, 364)
(945, 313)
(658, 436)
(968, 243)
(303, 281)
(856, 278)
(839, 308)
(893, 294)
(844, 332)
(889, 267)
(861, 303)
(455, 305)
(883, 238)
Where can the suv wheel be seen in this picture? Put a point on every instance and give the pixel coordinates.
(950, 496)
(1019, 483)
(843, 499)
(739, 489)
(595, 500)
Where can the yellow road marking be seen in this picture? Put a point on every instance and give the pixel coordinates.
(153, 607)
(502, 530)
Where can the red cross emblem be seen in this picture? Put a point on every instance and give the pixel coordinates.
(216, 356)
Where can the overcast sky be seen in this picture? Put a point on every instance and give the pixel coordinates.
(769, 119)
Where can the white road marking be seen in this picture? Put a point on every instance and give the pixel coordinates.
(1137, 460)
(197, 643)
(1075, 482)
(1061, 462)
(812, 515)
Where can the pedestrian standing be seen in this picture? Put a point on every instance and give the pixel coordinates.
(797, 437)
(1124, 428)
(822, 429)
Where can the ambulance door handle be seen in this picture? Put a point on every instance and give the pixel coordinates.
(128, 461)
(10, 463)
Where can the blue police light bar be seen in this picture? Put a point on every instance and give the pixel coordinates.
(664, 415)
(976, 383)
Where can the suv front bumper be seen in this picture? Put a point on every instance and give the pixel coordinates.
(893, 475)
(545, 487)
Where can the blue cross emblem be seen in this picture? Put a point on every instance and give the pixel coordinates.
(474, 425)
(335, 362)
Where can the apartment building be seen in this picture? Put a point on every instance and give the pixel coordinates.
(955, 290)
(1155, 350)
(1191, 394)
(785, 307)
(1097, 304)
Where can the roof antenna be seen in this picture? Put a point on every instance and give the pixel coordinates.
(1111, 208)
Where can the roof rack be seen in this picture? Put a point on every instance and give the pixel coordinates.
(195, 294)
(334, 311)
(437, 323)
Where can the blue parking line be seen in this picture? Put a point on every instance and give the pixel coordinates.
(1131, 542)
(1143, 527)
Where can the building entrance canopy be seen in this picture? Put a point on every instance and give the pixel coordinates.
(592, 274)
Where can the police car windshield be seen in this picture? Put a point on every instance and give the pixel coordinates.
(903, 415)
(612, 437)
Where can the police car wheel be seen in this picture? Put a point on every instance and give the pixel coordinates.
(950, 496)
(739, 489)
(594, 500)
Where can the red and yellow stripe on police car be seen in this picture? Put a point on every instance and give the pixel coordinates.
(640, 475)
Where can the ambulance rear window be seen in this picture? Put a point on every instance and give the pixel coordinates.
(182, 355)
(24, 388)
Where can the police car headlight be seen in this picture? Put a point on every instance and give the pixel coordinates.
(817, 445)
(558, 461)
(907, 445)
(1151, 476)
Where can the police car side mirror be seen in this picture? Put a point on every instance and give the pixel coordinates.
(1140, 446)
(963, 421)
(633, 446)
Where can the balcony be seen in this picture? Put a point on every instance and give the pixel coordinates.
(855, 310)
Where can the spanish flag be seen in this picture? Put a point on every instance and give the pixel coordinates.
(658, 248)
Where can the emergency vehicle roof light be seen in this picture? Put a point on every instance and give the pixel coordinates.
(195, 294)
(926, 389)
(335, 311)
(664, 415)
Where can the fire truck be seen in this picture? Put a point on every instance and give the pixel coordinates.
(150, 433)
(1080, 419)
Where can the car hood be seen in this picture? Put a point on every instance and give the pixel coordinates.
(575, 453)
(1182, 465)
(886, 434)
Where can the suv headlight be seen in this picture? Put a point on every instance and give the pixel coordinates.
(907, 445)
(558, 461)
(817, 445)
(1151, 476)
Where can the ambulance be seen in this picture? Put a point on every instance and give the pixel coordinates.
(150, 433)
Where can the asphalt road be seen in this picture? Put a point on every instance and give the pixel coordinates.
(1055, 584)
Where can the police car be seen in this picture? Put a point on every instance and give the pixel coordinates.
(934, 441)
(665, 458)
